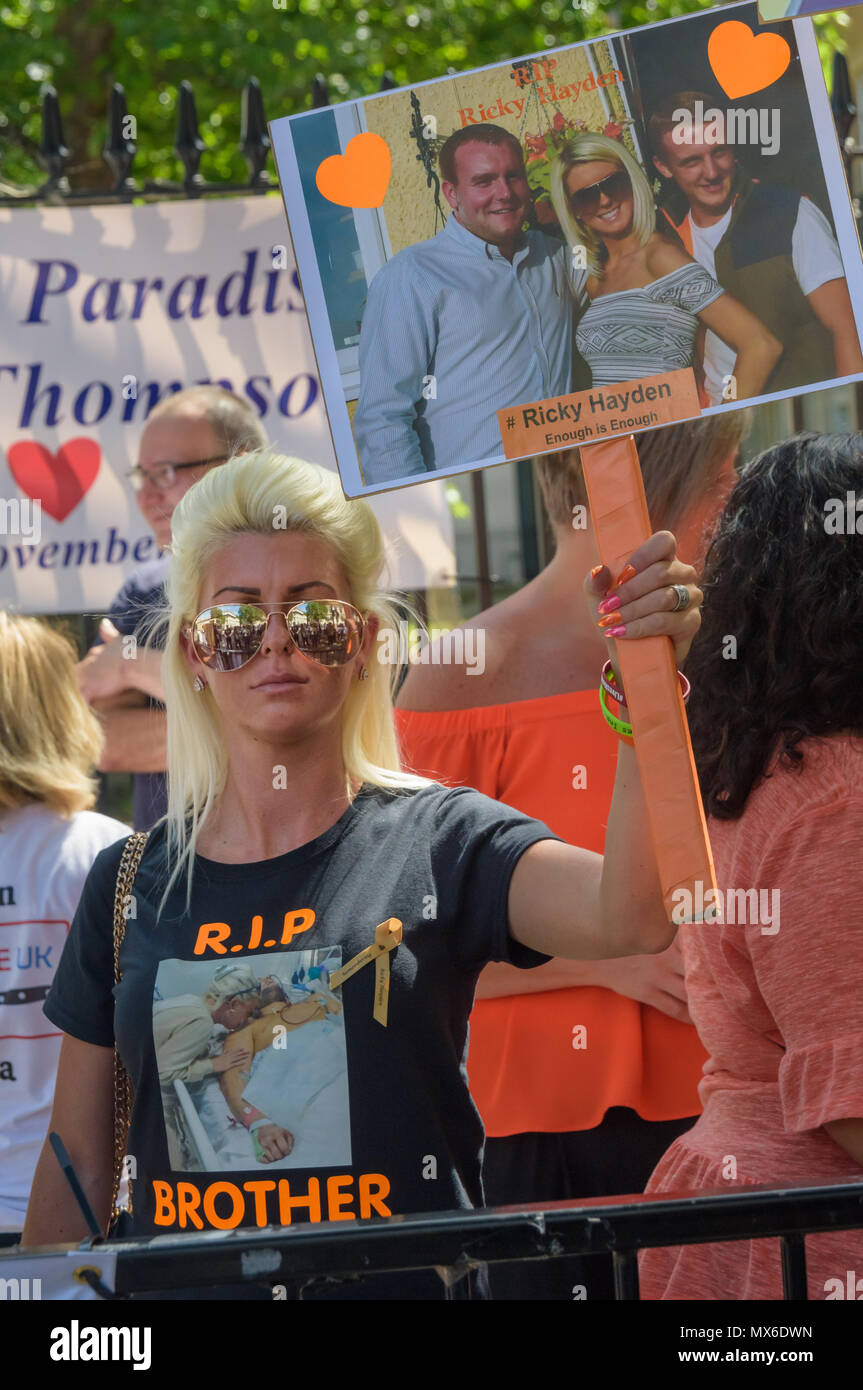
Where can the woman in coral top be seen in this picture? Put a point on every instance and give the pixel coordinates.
(584, 1072)
(777, 991)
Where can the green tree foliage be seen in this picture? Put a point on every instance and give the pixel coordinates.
(150, 46)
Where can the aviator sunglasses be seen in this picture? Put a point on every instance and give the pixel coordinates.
(228, 636)
(584, 202)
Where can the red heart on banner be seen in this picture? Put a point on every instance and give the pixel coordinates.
(59, 481)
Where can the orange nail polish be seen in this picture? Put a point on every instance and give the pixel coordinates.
(595, 571)
(625, 574)
(608, 620)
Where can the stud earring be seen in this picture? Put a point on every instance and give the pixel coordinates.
(198, 684)
(364, 675)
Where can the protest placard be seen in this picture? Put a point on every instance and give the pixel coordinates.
(456, 245)
(566, 249)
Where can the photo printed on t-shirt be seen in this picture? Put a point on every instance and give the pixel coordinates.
(280, 1015)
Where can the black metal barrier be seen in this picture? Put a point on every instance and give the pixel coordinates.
(455, 1241)
(121, 147)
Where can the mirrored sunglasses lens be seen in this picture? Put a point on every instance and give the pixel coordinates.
(227, 639)
(329, 633)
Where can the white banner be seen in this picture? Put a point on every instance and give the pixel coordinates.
(105, 311)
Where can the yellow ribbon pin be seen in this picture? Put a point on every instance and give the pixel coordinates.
(388, 934)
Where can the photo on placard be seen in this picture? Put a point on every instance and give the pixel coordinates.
(591, 241)
(280, 1011)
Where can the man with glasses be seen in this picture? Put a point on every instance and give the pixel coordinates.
(186, 435)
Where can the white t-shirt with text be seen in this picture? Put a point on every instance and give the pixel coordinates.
(44, 860)
(814, 256)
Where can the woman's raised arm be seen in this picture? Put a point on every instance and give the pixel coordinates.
(566, 901)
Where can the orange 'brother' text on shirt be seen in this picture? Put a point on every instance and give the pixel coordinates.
(223, 1205)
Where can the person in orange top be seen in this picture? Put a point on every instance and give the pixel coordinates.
(777, 990)
(583, 1072)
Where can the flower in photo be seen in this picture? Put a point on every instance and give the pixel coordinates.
(541, 151)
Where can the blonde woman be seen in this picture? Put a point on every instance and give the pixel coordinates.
(294, 841)
(50, 743)
(644, 296)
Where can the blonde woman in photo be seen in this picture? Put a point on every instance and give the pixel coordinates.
(644, 298)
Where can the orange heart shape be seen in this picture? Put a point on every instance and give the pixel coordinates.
(359, 178)
(744, 62)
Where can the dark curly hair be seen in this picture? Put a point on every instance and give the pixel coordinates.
(786, 584)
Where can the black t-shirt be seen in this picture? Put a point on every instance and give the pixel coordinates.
(130, 612)
(381, 1116)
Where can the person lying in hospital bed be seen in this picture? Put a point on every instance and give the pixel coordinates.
(274, 1094)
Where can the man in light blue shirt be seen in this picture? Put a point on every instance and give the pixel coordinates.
(478, 318)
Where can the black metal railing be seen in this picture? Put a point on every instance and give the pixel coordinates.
(121, 147)
(457, 1241)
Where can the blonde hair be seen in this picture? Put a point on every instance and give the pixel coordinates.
(247, 494)
(587, 148)
(50, 740)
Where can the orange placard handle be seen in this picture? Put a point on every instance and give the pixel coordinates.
(678, 827)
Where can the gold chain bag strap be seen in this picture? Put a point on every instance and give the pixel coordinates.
(123, 1093)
